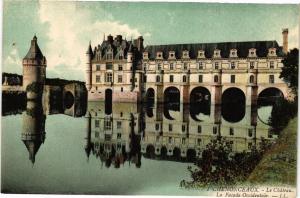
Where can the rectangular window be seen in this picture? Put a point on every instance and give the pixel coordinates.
(185, 66)
(120, 78)
(145, 78)
(97, 78)
(119, 124)
(200, 78)
(170, 127)
(108, 77)
(183, 128)
(251, 65)
(216, 65)
(119, 135)
(109, 65)
(171, 78)
(158, 66)
(157, 138)
(170, 140)
(183, 140)
(97, 67)
(215, 130)
(198, 141)
(232, 78)
(156, 126)
(271, 64)
(107, 124)
(199, 129)
(97, 123)
(232, 65)
(171, 66)
(271, 79)
(200, 65)
(120, 67)
(96, 134)
(231, 131)
(250, 132)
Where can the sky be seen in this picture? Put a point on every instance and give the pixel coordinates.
(64, 29)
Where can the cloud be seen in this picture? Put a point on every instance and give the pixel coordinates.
(13, 61)
(70, 29)
(294, 37)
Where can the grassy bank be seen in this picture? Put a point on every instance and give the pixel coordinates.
(278, 165)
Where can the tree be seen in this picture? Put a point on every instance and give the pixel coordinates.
(289, 71)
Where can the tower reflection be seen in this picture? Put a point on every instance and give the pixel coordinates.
(33, 133)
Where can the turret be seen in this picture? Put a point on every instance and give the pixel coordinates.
(285, 33)
(33, 133)
(34, 67)
(88, 145)
(88, 72)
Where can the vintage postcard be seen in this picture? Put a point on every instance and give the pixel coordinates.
(149, 98)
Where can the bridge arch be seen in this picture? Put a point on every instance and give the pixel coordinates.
(233, 104)
(172, 95)
(199, 95)
(269, 96)
(150, 95)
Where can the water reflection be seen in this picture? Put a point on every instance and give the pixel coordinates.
(33, 133)
(114, 138)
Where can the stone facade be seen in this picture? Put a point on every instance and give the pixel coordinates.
(251, 67)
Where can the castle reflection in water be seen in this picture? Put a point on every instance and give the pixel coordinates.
(124, 132)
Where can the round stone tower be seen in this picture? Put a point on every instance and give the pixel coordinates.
(88, 72)
(34, 66)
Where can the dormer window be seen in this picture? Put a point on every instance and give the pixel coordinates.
(252, 65)
(233, 53)
(109, 54)
(201, 54)
(272, 52)
(145, 55)
(217, 53)
(159, 55)
(171, 55)
(185, 54)
(252, 52)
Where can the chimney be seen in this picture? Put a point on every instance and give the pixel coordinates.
(110, 38)
(140, 43)
(285, 40)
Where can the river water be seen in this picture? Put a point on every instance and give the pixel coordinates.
(122, 149)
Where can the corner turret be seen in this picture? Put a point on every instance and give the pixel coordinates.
(88, 73)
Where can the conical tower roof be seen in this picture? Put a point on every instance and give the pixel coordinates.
(89, 50)
(32, 147)
(34, 52)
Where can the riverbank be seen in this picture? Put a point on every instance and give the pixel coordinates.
(279, 163)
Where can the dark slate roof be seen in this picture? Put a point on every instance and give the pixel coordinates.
(34, 52)
(116, 45)
(242, 49)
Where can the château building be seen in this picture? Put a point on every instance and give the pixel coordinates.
(125, 71)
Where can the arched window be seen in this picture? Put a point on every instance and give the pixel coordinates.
(216, 79)
(184, 79)
(157, 78)
(251, 79)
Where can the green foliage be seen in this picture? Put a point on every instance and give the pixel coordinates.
(283, 110)
(219, 165)
(290, 70)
